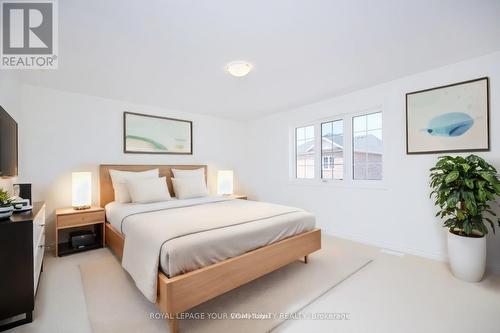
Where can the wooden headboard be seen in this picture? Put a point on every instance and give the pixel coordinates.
(107, 193)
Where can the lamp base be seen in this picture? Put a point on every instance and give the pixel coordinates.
(81, 207)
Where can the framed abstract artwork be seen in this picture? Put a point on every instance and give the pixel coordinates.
(452, 118)
(147, 134)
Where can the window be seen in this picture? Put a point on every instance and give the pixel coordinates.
(327, 162)
(332, 150)
(304, 152)
(321, 153)
(367, 146)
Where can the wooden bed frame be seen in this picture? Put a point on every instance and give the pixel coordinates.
(183, 292)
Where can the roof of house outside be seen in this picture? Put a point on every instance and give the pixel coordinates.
(366, 144)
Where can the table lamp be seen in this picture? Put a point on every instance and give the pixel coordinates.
(225, 182)
(81, 190)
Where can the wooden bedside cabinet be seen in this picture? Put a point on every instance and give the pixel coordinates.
(67, 218)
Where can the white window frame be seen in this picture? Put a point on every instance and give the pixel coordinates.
(321, 122)
(361, 114)
(294, 154)
(348, 181)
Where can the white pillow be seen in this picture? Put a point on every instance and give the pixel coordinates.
(119, 180)
(191, 187)
(196, 173)
(148, 190)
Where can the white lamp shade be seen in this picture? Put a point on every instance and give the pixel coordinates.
(225, 182)
(81, 189)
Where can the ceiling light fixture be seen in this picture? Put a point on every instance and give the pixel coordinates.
(239, 68)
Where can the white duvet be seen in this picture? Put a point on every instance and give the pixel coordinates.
(185, 228)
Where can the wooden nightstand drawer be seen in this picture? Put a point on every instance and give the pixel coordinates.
(72, 220)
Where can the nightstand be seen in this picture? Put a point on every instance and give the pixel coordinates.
(68, 218)
(238, 196)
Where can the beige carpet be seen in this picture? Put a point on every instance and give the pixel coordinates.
(115, 305)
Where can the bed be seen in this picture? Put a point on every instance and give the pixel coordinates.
(182, 264)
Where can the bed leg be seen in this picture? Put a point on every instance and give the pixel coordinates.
(172, 323)
(305, 259)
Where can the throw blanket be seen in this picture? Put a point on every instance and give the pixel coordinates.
(146, 232)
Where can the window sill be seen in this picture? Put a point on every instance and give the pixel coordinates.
(347, 184)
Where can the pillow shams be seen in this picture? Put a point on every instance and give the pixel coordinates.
(191, 187)
(119, 180)
(196, 173)
(148, 190)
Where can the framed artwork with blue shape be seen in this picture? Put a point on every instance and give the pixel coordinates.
(451, 118)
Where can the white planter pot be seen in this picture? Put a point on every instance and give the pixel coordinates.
(6, 212)
(467, 257)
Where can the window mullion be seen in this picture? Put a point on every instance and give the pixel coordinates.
(317, 151)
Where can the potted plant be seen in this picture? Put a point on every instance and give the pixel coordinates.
(6, 207)
(464, 188)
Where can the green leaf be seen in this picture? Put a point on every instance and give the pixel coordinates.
(489, 177)
(481, 195)
(452, 200)
(467, 228)
(482, 228)
(470, 202)
(496, 186)
(452, 176)
(491, 224)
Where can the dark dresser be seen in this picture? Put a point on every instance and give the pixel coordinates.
(22, 240)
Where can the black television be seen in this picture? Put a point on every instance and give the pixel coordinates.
(8, 145)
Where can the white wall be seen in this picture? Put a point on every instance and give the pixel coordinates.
(400, 215)
(62, 132)
(10, 90)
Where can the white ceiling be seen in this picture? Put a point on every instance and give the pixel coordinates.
(172, 53)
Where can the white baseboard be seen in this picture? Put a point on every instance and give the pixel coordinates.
(390, 246)
(393, 253)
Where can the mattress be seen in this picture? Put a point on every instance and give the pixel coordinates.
(192, 251)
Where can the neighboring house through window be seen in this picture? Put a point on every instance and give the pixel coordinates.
(332, 149)
(367, 146)
(304, 152)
